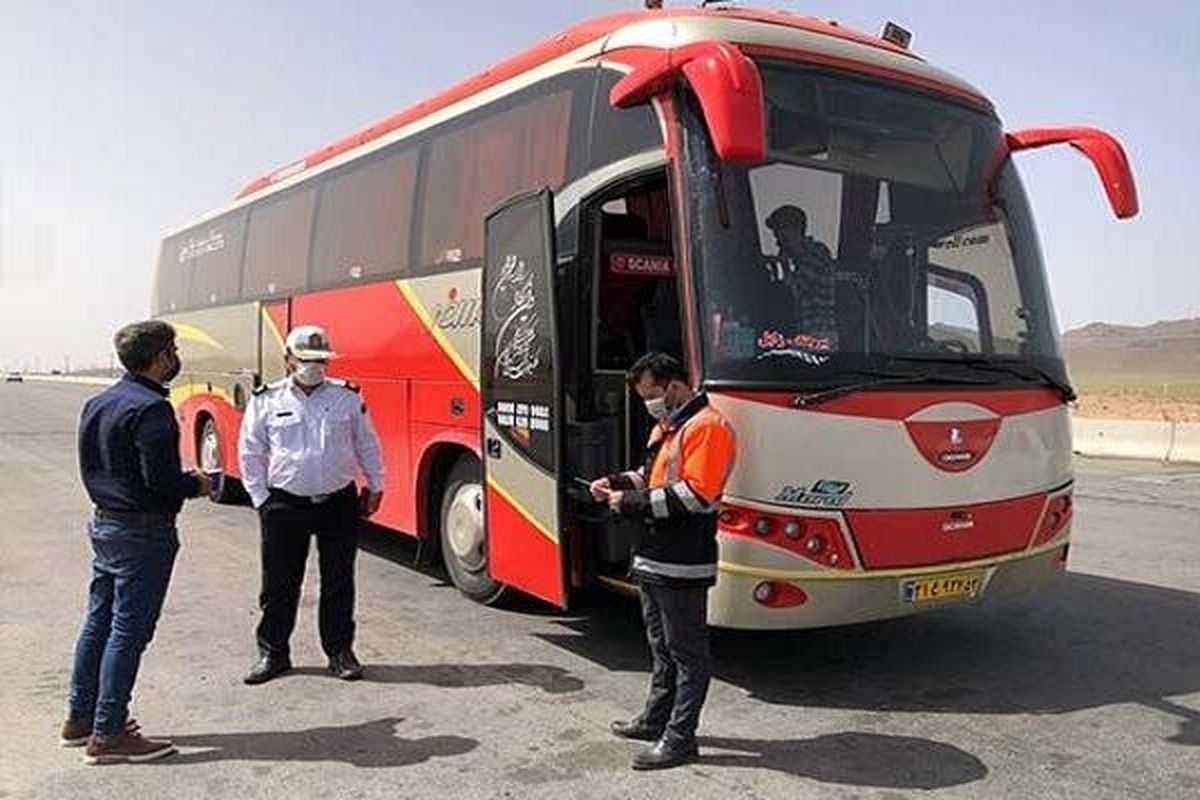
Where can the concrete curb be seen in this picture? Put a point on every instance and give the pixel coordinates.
(1175, 442)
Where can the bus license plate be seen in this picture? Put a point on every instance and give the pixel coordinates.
(942, 587)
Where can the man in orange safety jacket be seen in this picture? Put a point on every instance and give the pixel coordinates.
(689, 457)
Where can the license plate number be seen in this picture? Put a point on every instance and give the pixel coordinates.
(942, 587)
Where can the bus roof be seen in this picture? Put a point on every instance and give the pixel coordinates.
(662, 28)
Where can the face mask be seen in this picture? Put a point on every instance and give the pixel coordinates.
(657, 407)
(173, 371)
(310, 373)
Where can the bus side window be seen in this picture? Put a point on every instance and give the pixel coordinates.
(215, 252)
(474, 167)
(364, 220)
(277, 245)
(172, 280)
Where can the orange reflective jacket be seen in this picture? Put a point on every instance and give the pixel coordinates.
(689, 459)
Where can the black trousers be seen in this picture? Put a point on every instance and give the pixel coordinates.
(677, 629)
(288, 522)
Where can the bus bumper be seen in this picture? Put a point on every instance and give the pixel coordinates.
(756, 599)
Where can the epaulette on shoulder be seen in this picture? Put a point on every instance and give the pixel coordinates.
(264, 387)
(351, 385)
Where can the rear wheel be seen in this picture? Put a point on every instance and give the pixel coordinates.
(208, 457)
(464, 534)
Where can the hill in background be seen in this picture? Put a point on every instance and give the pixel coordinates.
(1138, 372)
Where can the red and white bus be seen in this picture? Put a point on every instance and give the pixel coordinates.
(489, 262)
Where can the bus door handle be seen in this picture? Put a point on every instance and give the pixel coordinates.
(493, 447)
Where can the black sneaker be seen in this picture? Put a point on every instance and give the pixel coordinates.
(345, 666)
(268, 667)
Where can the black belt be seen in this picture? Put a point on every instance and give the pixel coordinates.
(316, 499)
(138, 518)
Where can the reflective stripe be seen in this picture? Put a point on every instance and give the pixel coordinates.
(636, 479)
(642, 564)
(658, 503)
(689, 499)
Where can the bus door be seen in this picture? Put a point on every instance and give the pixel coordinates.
(522, 399)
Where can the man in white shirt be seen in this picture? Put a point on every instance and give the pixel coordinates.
(304, 441)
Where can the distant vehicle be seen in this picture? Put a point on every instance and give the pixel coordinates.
(56, 372)
(13, 376)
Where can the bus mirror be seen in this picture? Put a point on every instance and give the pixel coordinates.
(1103, 150)
(726, 82)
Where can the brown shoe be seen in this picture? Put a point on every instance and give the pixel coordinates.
(125, 748)
(76, 732)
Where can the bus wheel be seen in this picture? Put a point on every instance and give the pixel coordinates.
(208, 458)
(464, 534)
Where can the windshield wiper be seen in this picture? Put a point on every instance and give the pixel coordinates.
(807, 400)
(1023, 370)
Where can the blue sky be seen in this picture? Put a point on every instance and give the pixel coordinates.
(120, 120)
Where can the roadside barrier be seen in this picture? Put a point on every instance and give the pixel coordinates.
(80, 379)
(1120, 438)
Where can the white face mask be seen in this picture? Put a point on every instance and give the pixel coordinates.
(310, 373)
(657, 407)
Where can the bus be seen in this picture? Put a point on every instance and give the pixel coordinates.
(828, 231)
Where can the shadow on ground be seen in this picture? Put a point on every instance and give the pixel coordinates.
(550, 679)
(851, 759)
(370, 744)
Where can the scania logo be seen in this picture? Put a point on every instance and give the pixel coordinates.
(958, 521)
(956, 436)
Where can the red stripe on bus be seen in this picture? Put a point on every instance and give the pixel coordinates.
(927, 537)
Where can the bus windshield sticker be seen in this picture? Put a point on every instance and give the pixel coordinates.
(514, 301)
(809, 349)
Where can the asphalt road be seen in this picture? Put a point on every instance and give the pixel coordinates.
(1091, 689)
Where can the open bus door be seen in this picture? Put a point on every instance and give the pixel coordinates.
(521, 388)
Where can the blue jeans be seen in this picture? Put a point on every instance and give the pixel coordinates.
(131, 568)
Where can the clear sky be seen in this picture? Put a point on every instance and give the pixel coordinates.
(123, 119)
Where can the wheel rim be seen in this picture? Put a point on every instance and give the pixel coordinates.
(210, 449)
(465, 529)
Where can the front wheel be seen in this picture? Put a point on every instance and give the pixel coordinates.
(208, 457)
(463, 534)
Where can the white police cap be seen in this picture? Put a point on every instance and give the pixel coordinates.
(310, 343)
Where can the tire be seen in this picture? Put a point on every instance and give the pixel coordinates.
(462, 534)
(227, 490)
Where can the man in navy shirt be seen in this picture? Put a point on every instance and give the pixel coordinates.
(129, 460)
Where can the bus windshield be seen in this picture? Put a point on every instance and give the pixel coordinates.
(885, 232)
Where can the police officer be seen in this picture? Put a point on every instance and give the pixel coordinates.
(689, 457)
(304, 440)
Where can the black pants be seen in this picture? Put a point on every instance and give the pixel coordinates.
(677, 629)
(288, 522)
